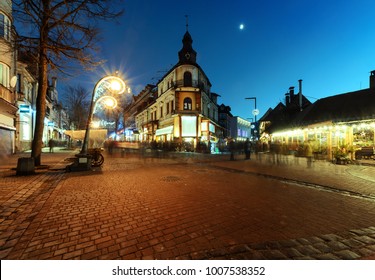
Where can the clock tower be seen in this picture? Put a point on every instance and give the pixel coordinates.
(187, 55)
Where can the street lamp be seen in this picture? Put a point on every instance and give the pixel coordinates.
(255, 113)
(107, 85)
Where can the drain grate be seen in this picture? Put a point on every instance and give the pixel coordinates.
(170, 178)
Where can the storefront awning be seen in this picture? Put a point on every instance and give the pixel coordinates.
(164, 130)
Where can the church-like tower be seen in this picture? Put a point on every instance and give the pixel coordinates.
(187, 55)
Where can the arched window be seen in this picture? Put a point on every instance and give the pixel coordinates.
(187, 103)
(188, 81)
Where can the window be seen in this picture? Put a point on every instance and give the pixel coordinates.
(4, 27)
(167, 108)
(18, 88)
(188, 81)
(4, 75)
(187, 103)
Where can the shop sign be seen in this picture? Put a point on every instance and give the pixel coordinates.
(24, 108)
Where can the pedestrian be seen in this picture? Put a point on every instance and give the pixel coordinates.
(309, 154)
(110, 145)
(247, 148)
(231, 148)
(51, 144)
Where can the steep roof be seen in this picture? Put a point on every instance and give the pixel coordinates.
(351, 106)
(186, 56)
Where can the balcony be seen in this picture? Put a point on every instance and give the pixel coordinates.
(194, 83)
(6, 94)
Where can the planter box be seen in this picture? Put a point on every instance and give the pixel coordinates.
(25, 166)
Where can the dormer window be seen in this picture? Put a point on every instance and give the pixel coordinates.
(188, 80)
(187, 103)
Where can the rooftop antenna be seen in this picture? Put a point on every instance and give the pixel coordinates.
(187, 22)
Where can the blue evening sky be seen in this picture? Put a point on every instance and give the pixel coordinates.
(329, 44)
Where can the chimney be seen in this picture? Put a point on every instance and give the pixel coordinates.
(372, 79)
(300, 94)
(287, 99)
(54, 82)
(291, 91)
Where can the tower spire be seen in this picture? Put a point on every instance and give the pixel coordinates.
(187, 22)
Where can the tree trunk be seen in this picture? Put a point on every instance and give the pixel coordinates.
(36, 148)
(40, 111)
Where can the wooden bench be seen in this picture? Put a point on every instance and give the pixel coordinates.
(364, 152)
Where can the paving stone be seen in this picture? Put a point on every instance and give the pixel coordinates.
(291, 253)
(289, 243)
(358, 231)
(330, 237)
(365, 239)
(308, 250)
(303, 241)
(326, 256)
(238, 249)
(347, 255)
(273, 255)
(323, 247)
(259, 246)
(352, 243)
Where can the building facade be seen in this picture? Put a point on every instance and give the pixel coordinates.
(8, 79)
(335, 125)
(240, 129)
(184, 112)
(18, 91)
(225, 120)
(26, 95)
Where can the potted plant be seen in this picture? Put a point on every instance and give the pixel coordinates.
(340, 155)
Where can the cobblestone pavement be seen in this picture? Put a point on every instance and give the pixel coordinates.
(183, 207)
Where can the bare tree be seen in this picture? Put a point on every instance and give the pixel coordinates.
(76, 101)
(58, 32)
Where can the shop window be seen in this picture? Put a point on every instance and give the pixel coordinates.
(187, 103)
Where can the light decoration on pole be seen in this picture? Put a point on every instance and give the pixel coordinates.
(104, 90)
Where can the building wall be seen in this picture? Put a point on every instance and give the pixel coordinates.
(7, 69)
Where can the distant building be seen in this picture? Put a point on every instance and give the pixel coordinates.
(240, 129)
(225, 120)
(56, 118)
(283, 115)
(184, 113)
(26, 91)
(339, 122)
(138, 104)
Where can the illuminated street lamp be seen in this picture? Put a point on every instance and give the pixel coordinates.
(255, 113)
(103, 91)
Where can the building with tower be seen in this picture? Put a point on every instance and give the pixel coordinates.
(184, 112)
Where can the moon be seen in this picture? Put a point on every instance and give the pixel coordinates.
(242, 26)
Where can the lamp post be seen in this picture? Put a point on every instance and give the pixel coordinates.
(255, 112)
(108, 84)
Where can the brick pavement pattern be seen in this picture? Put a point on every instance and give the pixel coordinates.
(184, 208)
